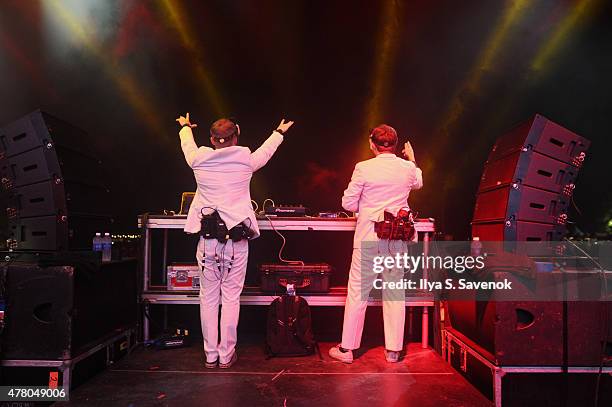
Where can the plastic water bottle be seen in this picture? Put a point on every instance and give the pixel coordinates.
(97, 242)
(107, 247)
(476, 246)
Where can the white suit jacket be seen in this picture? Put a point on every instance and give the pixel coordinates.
(223, 178)
(378, 184)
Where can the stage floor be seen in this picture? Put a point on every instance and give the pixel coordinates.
(178, 378)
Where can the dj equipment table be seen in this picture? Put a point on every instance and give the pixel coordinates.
(252, 296)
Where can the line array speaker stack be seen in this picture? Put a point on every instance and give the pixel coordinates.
(527, 183)
(62, 301)
(55, 187)
(524, 194)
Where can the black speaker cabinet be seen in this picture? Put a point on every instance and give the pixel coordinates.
(517, 231)
(524, 203)
(527, 183)
(533, 333)
(545, 137)
(528, 333)
(530, 168)
(54, 183)
(54, 312)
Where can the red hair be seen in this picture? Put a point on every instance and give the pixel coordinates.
(223, 129)
(384, 137)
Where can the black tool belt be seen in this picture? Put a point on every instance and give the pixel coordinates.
(213, 227)
(400, 227)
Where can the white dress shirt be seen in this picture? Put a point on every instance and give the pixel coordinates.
(378, 184)
(223, 178)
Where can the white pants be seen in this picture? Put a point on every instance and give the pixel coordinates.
(221, 281)
(360, 284)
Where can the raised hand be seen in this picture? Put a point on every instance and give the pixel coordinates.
(184, 121)
(408, 152)
(284, 126)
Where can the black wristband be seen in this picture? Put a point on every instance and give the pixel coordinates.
(280, 131)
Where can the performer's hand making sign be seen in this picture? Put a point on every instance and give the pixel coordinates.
(222, 213)
(184, 121)
(408, 152)
(380, 184)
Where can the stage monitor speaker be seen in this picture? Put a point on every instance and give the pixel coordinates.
(56, 192)
(55, 312)
(527, 183)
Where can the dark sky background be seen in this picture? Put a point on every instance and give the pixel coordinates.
(450, 76)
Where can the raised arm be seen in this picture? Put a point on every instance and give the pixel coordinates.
(418, 182)
(188, 145)
(409, 154)
(262, 155)
(352, 194)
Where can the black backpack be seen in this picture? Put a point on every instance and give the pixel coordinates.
(289, 329)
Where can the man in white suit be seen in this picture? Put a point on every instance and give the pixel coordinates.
(380, 184)
(223, 175)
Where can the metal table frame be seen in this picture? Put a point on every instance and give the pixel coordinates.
(336, 298)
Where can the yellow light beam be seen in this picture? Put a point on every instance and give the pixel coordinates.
(385, 56)
(124, 82)
(561, 33)
(383, 67)
(178, 19)
(538, 65)
(484, 62)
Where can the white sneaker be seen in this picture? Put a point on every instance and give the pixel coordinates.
(230, 363)
(392, 356)
(211, 365)
(344, 357)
